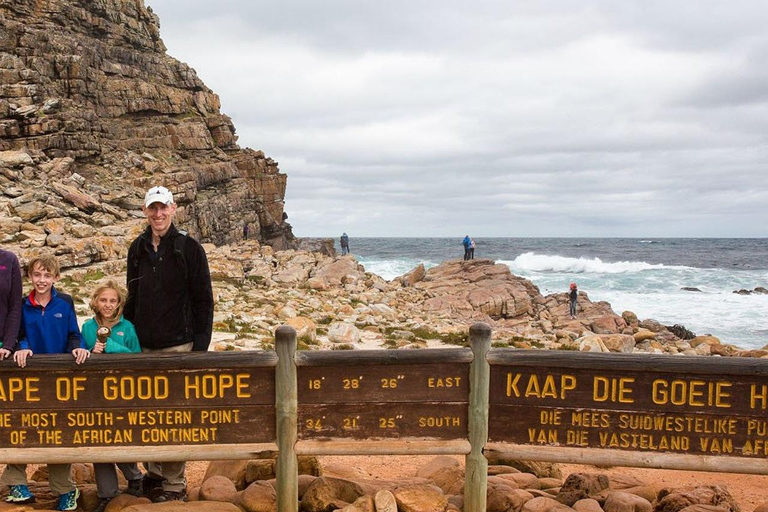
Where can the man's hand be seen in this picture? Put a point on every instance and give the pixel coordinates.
(4, 352)
(81, 355)
(99, 347)
(20, 356)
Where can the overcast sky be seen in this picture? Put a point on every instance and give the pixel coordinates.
(495, 118)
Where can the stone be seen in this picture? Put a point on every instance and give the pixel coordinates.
(522, 480)
(592, 344)
(543, 504)
(678, 499)
(501, 498)
(261, 469)
(218, 488)
(619, 501)
(540, 469)
(420, 498)
(123, 501)
(341, 332)
(234, 470)
(414, 276)
(257, 497)
(587, 505)
(15, 158)
(327, 494)
(580, 486)
(180, 506)
(621, 343)
(706, 339)
(643, 335)
(305, 327)
(384, 501)
(706, 508)
(361, 504)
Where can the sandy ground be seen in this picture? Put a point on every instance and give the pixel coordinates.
(749, 491)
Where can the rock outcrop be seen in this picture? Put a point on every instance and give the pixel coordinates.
(92, 113)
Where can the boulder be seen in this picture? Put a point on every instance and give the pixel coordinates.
(305, 327)
(218, 488)
(326, 494)
(341, 332)
(385, 501)
(540, 469)
(180, 506)
(543, 504)
(587, 505)
(420, 498)
(502, 498)
(592, 343)
(414, 276)
(361, 504)
(619, 501)
(234, 470)
(123, 501)
(579, 486)
(701, 495)
(622, 343)
(257, 497)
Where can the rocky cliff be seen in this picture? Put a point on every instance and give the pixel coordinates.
(93, 112)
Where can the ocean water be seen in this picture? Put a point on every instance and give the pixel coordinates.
(645, 276)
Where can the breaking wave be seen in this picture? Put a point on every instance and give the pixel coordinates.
(532, 262)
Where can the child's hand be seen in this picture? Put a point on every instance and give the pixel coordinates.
(20, 356)
(81, 355)
(99, 347)
(4, 352)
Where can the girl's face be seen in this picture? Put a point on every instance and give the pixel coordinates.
(107, 303)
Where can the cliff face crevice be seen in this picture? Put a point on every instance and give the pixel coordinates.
(93, 112)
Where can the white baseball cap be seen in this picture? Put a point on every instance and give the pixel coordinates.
(158, 195)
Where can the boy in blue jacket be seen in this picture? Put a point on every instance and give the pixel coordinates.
(48, 326)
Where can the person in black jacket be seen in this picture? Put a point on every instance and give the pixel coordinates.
(170, 302)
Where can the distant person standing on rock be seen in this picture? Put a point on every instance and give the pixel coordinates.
(574, 294)
(471, 248)
(170, 302)
(467, 243)
(245, 231)
(344, 241)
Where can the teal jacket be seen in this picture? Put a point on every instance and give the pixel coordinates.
(122, 339)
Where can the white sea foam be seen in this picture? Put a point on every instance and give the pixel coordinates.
(532, 262)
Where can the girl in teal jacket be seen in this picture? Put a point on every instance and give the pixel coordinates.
(107, 304)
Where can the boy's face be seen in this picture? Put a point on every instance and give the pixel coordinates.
(42, 280)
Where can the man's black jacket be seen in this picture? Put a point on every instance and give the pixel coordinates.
(170, 299)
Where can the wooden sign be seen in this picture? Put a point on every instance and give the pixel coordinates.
(383, 394)
(129, 401)
(662, 404)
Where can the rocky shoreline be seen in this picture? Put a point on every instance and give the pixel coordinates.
(334, 303)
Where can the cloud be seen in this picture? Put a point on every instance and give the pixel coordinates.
(595, 118)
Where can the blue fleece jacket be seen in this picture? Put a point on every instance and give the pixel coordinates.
(51, 329)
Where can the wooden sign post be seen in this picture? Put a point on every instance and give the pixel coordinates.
(136, 407)
(695, 413)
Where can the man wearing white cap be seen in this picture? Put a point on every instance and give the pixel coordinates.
(170, 302)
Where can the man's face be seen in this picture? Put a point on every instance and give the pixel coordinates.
(42, 280)
(159, 216)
